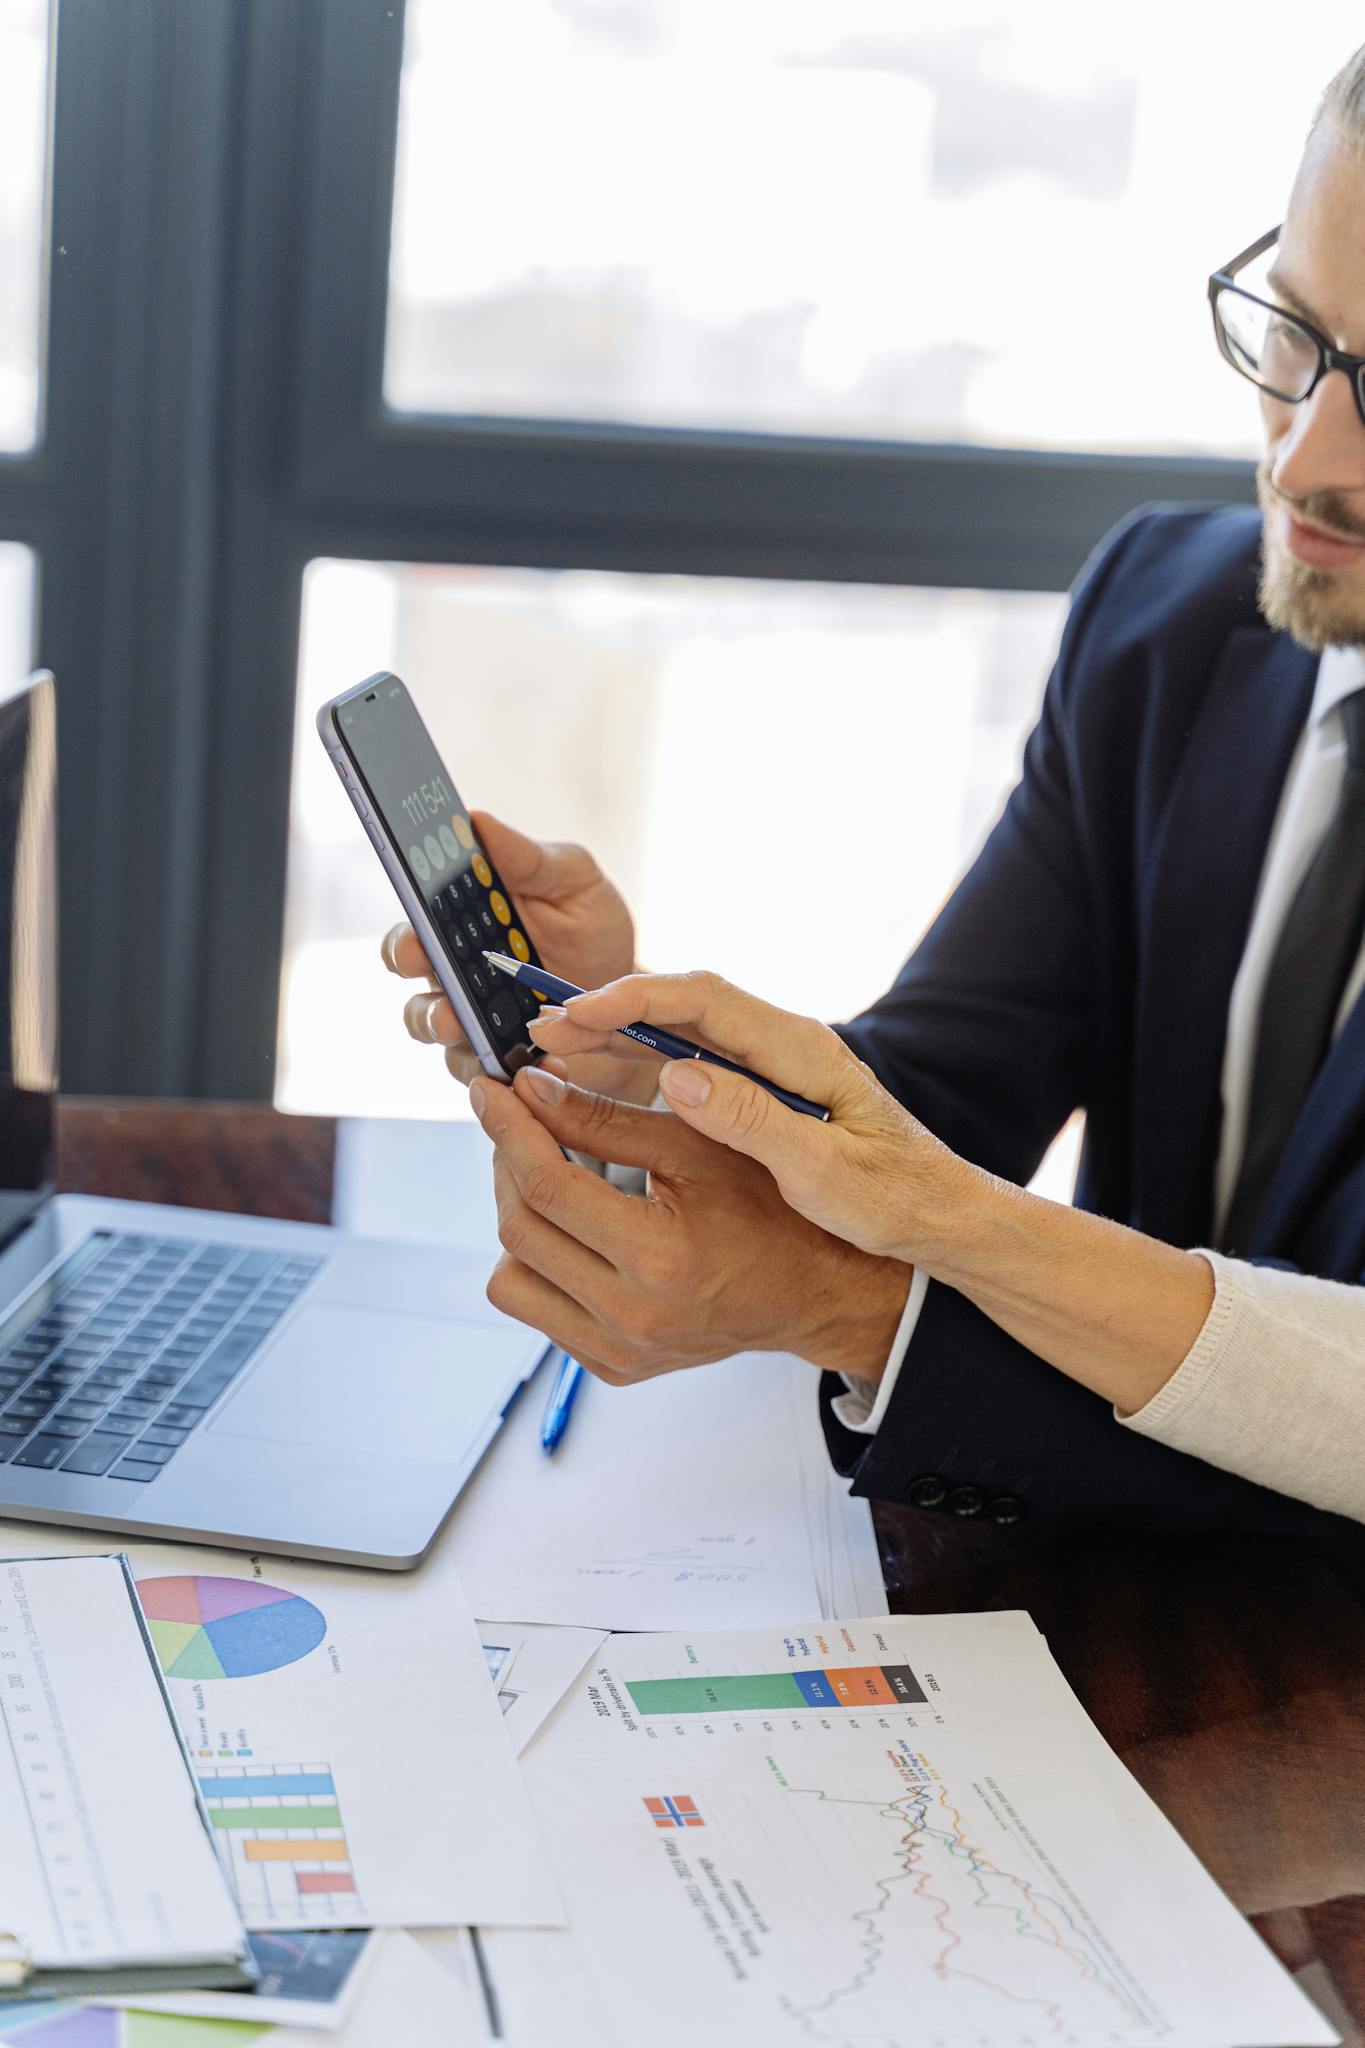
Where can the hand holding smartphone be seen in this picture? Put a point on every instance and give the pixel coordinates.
(452, 895)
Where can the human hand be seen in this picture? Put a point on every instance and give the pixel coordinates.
(708, 1262)
(872, 1174)
(581, 928)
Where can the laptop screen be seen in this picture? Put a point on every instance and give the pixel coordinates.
(28, 948)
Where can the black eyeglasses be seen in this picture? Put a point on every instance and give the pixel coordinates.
(1276, 350)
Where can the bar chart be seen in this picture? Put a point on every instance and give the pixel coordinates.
(279, 1832)
(873, 1686)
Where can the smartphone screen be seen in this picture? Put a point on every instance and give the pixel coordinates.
(421, 812)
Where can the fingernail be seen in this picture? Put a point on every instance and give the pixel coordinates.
(548, 1087)
(387, 945)
(550, 1013)
(429, 1020)
(477, 1097)
(685, 1081)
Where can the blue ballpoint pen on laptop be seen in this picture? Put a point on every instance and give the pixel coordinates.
(543, 984)
(563, 1392)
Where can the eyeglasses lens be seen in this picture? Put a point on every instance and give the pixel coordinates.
(1269, 347)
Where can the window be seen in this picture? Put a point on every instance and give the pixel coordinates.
(784, 779)
(23, 139)
(987, 223)
(16, 613)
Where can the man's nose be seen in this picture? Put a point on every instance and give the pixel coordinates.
(1323, 445)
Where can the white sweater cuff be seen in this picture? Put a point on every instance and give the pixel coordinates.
(1273, 1387)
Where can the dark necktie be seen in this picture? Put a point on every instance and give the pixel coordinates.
(1318, 946)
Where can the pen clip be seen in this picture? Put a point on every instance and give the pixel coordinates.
(16, 1960)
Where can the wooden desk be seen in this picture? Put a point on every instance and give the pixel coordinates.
(1230, 1678)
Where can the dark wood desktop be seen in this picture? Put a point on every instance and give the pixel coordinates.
(1229, 1676)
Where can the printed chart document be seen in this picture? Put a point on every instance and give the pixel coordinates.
(346, 1740)
(677, 1503)
(881, 1834)
(532, 1667)
(107, 1870)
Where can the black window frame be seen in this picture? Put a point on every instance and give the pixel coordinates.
(220, 199)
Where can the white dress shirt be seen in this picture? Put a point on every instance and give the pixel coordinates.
(1307, 801)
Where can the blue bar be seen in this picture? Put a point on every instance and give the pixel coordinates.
(816, 1688)
(297, 1785)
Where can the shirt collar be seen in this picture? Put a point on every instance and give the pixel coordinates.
(1340, 673)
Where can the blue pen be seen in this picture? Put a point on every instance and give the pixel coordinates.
(541, 982)
(558, 1408)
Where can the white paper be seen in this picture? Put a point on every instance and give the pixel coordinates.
(746, 1857)
(363, 1697)
(677, 1503)
(842, 1537)
(103, 1853)
(539, 1666)
(546, 1993)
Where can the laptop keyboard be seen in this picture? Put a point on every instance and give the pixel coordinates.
(116, 1359)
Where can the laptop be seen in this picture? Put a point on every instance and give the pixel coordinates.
(178, 1373)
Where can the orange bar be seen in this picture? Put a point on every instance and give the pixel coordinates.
(866, 1688)
(330, 1851)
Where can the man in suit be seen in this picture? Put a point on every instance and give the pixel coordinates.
(1165, 929)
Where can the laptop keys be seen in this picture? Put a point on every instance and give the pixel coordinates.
(43, 1451)
(118, 1371)
(95, 1455)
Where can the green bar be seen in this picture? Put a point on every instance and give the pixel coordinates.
(275, 1816)
(763, 1692)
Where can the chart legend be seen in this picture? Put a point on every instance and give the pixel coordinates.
(280, 1835)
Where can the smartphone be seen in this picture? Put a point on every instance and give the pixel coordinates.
(454, 898)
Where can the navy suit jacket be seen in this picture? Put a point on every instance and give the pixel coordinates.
(1086, 961)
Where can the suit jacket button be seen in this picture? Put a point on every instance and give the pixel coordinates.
(1005, 1510)
(928, 1491)
(966, 1500)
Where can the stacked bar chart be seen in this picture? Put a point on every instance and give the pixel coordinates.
(780, 1692)
(279, 1832)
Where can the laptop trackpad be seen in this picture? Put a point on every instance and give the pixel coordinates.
(386, 1383)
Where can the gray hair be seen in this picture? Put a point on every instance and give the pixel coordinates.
(1344, 99)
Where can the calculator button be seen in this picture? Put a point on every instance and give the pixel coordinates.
(458, 943)
(518, 944)
(502, 1015)
(462, 829)
(469, 888)
(482, 870)
(477, 979)
(473, 929)
(527, 1002)
(453, 899)
(497, 903)
(488, 922)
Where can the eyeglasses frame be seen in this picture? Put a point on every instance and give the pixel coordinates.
(1329, 358)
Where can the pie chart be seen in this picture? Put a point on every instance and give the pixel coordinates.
(227, 1628)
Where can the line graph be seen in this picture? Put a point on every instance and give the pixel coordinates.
(943, 1877)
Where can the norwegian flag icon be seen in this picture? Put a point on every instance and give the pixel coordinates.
(674, 1810)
